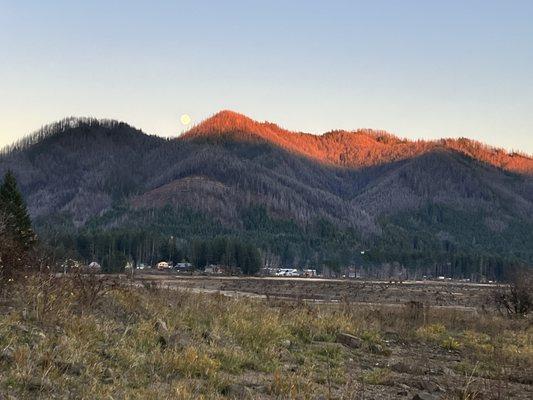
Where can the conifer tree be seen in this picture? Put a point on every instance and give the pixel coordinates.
(13, 207)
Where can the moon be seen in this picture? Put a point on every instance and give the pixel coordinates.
(185, 119)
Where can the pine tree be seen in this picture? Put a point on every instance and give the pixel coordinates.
(13, 207)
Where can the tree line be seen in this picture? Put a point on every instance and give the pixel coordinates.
(409, 243)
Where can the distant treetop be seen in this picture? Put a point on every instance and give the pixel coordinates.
(58, 127)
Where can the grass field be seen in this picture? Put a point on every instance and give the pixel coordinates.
(80, 338)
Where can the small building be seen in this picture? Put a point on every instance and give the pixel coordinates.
(212, 269)
(222, 270)
(163, 265)
(268, 271)
(309, 273)
(94, 267)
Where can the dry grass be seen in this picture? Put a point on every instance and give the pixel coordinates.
(147, 343)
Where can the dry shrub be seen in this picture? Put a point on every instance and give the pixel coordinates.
(89, 287)
(44, 298)
(515, 299)
(47, 298)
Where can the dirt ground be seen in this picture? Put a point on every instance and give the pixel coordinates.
(431, 293)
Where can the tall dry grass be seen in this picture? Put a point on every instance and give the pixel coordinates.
(114, 341)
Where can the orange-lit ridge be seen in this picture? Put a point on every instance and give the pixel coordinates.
(359, 148)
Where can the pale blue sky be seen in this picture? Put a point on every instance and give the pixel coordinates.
(419, 69)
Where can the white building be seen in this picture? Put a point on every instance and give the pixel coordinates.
(163, 265)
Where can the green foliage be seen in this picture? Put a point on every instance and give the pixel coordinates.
(414, 240)
(231, 252)
(13, 208)
(114, 262)
(440, 240)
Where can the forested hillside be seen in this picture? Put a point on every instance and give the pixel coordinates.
(98, 188)
(363, 147)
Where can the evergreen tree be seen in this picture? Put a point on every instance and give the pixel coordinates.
(13, 207)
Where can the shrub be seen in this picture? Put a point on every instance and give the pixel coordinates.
(516, 299)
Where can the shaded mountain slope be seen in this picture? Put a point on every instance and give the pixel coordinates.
(80, 167)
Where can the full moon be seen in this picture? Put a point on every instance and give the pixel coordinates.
(185, 119)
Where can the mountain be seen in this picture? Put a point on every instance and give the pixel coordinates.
(298, 196)
(351, 149)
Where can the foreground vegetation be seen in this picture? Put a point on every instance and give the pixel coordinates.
(81, 337)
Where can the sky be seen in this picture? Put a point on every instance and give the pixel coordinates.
(418, 69)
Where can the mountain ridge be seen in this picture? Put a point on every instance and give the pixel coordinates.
(357, 148)
(362, 147)
(312, 197)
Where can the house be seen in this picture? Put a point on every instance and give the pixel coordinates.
(309, 273)
(94, 267)
(163, 265)
(222, 270)
(212, 269)
(268, 271)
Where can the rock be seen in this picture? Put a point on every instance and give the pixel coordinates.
(7, 354)
(179, 341)
(404, 368)
(39, 384)
(175, 340)
(348, 340)
(392, 337)
(211, 337)
(447, 371)
(41, 334)
(161, 326)
(403, 386)
(376, 348)
(107, 376)
(22, 328)
(429, 386)
(261, 389)
(162, 340)
(236, 391)
(286, 343)
(70, 368)
(290, 367)
(401, 368)
(425, 396)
